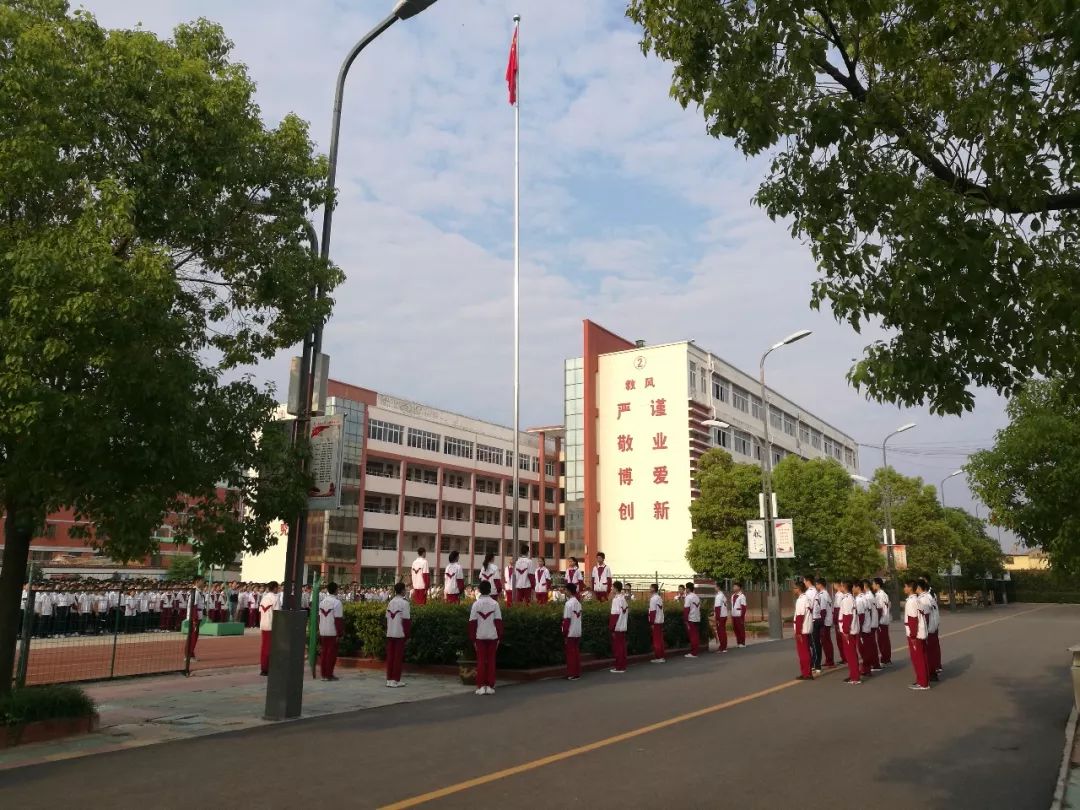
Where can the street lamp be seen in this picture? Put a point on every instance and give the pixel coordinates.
(941, 488)
(862, 479)
(894, 589)
(775, 625)
(285, 686)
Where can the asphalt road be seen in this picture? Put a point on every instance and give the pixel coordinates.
(730, 730)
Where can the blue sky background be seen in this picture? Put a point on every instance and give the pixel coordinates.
(632, 215)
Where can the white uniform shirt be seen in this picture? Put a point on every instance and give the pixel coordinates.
(692, 602)
(62, 599)
(574, 576)
(601, 578)
(523, 569)
(720, 604)
(884, 606)
(543, 579)
(267, 605)
(329, 609)
(621, 608)
(738, 605)
(129, 605)
(862, 612)
(656, 607)
(872, 611)
(912, 610)
(572, 611)
(451, 576)
(485, 612)
(934, 623)
(926, 607)
(804, 606)
(824, 604)
(847, 608)
(490, 573)
(86, 603)
(397, 611)
(811, 597)
(420, 567)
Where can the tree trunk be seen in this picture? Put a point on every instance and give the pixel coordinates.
(16, 553)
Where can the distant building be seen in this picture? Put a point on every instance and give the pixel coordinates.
(1027, 561)
(635, 430)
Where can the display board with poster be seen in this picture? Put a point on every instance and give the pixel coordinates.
(756, 548)
(784, 538)
(327, 444)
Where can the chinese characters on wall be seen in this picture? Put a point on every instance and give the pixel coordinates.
(651, 462)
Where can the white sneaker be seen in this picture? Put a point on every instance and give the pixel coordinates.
(689, 655)
(481, 691)
(390, 684)
(658, 661)
(740, 645)
(489, 690)
(618, 671)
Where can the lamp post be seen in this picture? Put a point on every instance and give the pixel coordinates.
(775, 625)
(285, 685)
(941, 487)
(894, 589)
(952, 565)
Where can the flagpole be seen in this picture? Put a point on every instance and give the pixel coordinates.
(517, 297)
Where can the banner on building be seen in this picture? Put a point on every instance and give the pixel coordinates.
(755, 540)
(784, 538)
(327, 443)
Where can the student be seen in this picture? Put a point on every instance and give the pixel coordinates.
(485, 632)
(837, 598)
(196, 603)
(524, 577)
(656, 624)
(398, 625)
(267, 605)
(331, 629)
(826, 611)
(692, 618)
(848, 624)
(884, 643)
(875, 624)
(453, 580)
(489, 573)
(915, 628)
(543, 582)
(815, 625)
(571, 630)
(738, 614)
(862, 619)
(508, 579)
(574, 575)
(804, 628)
(305, 598)
(720, 610)
(601, 578)
(618, 624)
(928, 605)
(421, 577)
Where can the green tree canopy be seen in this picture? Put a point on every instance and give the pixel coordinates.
(1029, 478)
(183, 568)
(927, 153)
(152, 241)
(729, 498)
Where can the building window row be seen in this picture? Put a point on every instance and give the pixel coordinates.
(384, 431)
(457, 447)
(424, 440)
(488, 454)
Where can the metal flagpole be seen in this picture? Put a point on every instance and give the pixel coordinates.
(517, 299)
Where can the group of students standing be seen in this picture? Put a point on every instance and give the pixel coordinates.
(858, 613)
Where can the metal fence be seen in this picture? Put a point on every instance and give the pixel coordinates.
(100, 631)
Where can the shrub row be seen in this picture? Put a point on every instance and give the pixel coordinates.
(532, 634)
(1058, 597)
(1045, 581)
(36, 703)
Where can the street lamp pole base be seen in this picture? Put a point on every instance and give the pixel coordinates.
(776, 625)
(285, 683)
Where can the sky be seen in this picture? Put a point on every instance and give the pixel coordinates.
(632, 216)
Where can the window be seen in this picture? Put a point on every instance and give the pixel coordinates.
(549, 469)
(549, 494)
(509, 458)
(804, 434)
(488, 485)
(422, 475)
(693, 375)
(456, 480)
(755, 407)
(421, 509)
(456, 511)
(789, 425)
(490, 517)
(457, 447)
(757, 449)
(343, 523)
(720, 389)
(828, 446)
(488, 454)
(721, 438)
(383, 469)
(776, 418)
(740, 399)
(525, 462)
(849, 456)
(701, 379)
(380, 541)
(535, 464)
(384, 431)
(815, 439)
(384, 504)
(424, 440)
(350, 470)
(742, 442)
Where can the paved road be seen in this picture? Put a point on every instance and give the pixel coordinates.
(725, 730)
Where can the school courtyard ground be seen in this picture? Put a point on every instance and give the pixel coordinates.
(723, 730)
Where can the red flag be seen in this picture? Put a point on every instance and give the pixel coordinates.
(512, 69)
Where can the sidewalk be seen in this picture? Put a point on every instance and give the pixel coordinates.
(147, 711)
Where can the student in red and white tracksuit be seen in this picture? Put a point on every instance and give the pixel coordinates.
(915, 628)
(874, 613)
(543, 583)
(271, 601)
(485, 632)
(803, 621)
(862, 619)
(453, 580)
(738, 615)
(601, 579)
(837, 598)
(656, 624)
(398, 625)
(884, 606)
(489, 573)
(618, 624)
(571, 630)
(331, 629)
(692, 619)
(524, 577)
(825, 610)
(196, 604)
(848, 623)
(421, 577)
(929, 605)
(574, 575)
(720, 611)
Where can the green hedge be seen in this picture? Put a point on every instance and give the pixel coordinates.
(1057, 597)
(44, 703)
(532, 634)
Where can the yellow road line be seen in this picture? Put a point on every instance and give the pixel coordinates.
(532, 765)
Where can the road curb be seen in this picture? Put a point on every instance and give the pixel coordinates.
(1066, 763)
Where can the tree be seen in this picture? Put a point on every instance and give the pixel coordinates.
(729, 497)
(834, 534)
(926, 153)
(183, 568)
(1029, 477)
(151, 242)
